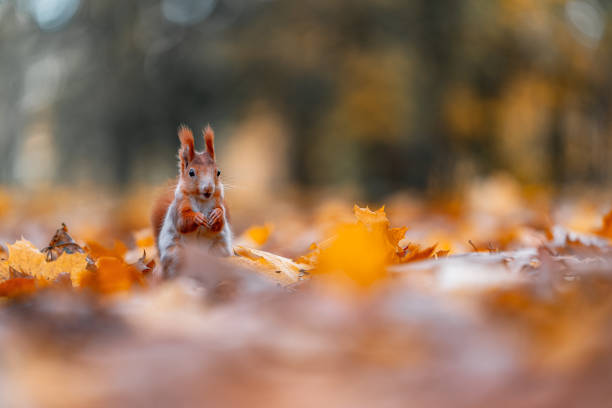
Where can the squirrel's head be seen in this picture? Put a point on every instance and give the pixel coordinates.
(198, 171)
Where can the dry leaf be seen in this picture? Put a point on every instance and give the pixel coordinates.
(26, 259)
(413, 252)
(357, 254)
(4, 270)
(606, 228)
(144, 242)
(280, 269)
(97, 250)
(258, 235)
(144, 238)
(378, 223)
(114, 275)
(61, 243)
(442, 253)
(17, 287)
(372, 218)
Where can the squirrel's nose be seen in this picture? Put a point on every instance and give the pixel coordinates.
(208, 190)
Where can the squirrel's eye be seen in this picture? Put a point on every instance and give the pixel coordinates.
(192, 173)
(218, 173)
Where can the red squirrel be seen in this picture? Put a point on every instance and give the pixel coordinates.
(194, 210)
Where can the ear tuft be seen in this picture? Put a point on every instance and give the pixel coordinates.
(187, 151)
(209, 139)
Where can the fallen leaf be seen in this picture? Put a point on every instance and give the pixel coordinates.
(315, 250)
(397, 234)
(258, 234)
(369, 217)
(378, 223)
(114, 275)
(17, 287)
(4, 270)
(360, 252)
(61, 243)
(144, 242)
(441, 253)
(606, 227)
(144, 238)
(97, 250)
(143, 265)
(356, 255)
(26, 259)
(413, 252)
(276, 267)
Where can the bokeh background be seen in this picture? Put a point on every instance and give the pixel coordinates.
(369, 96)
(483, 125)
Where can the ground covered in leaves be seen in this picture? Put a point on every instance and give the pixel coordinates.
(498, 296)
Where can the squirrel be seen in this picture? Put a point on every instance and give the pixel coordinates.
(194, 209)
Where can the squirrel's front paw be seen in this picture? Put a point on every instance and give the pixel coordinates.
(201, 220)
(215, 220)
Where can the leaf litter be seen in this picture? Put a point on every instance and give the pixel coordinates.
(465, 305)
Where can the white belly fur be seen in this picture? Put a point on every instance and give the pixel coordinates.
(169, 238)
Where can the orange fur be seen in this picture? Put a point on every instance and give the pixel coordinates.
(187, 218)
(209, 139)
(160, 208)
(187, 152)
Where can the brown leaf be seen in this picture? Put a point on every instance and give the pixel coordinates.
(61, 243)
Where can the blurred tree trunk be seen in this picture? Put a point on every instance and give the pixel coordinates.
(557, 145)
(436, 33)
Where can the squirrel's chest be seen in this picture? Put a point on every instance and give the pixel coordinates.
(201, 233)
(205, 207)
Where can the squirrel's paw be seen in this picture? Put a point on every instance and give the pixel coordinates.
(215, 220)
(201, 220)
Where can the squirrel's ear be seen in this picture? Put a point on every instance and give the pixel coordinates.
(209, 139)
(187, 151)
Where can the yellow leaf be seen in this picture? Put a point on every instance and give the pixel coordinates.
(25, 258)
(259, 234)
(360, 252)
(371, 218)
(356, 255)
(315, 250)
(4, 270)
(396, 235)
(377, 223)
(280, 269)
